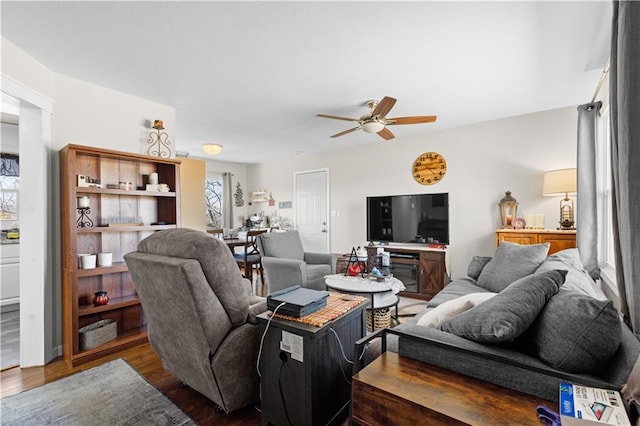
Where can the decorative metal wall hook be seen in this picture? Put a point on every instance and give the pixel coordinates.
(159, 144)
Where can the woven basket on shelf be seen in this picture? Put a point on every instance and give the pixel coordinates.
(98, 333)
(381, 318)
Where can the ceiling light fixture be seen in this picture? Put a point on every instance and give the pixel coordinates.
(372, 126)
(212, 148)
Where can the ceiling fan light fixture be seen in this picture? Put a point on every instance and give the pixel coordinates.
(372, 126)
(212, 148)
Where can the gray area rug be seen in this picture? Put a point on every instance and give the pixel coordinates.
(110, 394)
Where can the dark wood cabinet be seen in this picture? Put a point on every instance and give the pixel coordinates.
(305, 379)
(121, 218)
(422, 270)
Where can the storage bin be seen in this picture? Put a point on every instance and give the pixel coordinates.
(381, 318)
(98, 333)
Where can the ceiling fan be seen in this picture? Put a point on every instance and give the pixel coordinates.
(376, 121)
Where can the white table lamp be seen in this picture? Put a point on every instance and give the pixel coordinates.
(562, 182)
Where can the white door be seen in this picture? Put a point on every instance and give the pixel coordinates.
(312, 205)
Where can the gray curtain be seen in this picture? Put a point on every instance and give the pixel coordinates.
(625, 155)
(587, 211)
(9, 164)
(227, 200)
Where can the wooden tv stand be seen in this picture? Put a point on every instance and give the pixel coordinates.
(398, 390)
(428, 265)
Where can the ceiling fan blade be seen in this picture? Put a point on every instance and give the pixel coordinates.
(411, 120)
(383, 107)
(345, 132)
(337, 117)
(386, 134)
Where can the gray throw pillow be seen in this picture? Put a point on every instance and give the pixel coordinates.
(576, 333)
(476, 266)
(509, 313)
(510, 263)
(578, 278)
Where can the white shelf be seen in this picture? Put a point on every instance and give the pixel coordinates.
(259, 196)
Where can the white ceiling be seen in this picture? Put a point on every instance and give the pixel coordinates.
(252, 75)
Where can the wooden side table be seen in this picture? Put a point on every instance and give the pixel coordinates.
(402, 391)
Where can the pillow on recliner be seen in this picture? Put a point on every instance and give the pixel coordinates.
(510, 263)
(576, 333)
(509, 313)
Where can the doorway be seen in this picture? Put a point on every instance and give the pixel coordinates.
(9, 234)
(311, 189)
(38, 313)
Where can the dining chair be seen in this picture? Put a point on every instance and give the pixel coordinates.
(217, 232)
(250, 258)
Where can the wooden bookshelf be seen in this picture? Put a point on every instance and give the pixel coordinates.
(150, 211)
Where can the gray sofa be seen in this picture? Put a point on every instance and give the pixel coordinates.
(201, 314)
(559, 341)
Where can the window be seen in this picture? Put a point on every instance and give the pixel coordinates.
(213, 200)
(9, 187)
(605, 212)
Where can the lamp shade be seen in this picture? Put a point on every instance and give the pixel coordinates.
(560, 182)
(212, 148)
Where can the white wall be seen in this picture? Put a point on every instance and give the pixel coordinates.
(23, 68)
(484, 160)
(88, 114)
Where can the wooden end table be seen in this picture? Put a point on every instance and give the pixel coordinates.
(402, 391)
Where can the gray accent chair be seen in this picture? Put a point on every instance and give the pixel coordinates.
(201, 314)
(286, 263)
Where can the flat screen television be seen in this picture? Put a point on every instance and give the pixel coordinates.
(416, 218)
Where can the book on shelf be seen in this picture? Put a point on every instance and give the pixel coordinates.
(584, 405)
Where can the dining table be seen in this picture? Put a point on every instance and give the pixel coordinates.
(234, 242)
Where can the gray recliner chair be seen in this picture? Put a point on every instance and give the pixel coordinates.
(286, 263)
(201, 314)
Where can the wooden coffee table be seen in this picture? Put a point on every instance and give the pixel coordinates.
(402, 391)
